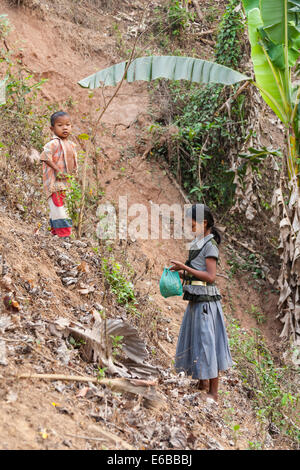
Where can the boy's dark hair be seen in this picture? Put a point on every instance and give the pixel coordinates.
(56, 116)
(200, 212)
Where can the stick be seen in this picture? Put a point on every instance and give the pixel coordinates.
(107, 435)
(153, 399)
(90, 141)
(204, 33)
(199, 12)
(242, 244)
(76, 378)
(233, 97)
(177, 185)
(164, 351)
(207, 41)
(86, 437)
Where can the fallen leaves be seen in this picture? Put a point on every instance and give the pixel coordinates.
(6, 283)
(11, 304)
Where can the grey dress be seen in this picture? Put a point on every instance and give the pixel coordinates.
(202, 347)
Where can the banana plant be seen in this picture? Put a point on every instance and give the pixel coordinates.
(274, 35)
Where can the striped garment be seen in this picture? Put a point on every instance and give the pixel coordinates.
(63, 154)
(60, 222)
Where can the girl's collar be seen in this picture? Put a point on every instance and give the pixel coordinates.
(198, 242)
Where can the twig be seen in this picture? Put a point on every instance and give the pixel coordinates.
(94, 130)
(86, 437)
(233, 97)
(107, 436)
(223, 275)
(199, 12)
(204, 33)
(163, 350)
(242, 244)
(136, 387)
(177, 185)
(5, 44)
(207, 41)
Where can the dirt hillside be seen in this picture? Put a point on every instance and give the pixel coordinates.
(58, 414)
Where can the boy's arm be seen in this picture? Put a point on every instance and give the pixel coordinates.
(46, 157)
(52, 165)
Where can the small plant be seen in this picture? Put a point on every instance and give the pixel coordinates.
(273, 389)
(255, 445)
(257, 314)
(22, 117)
(73, 198)
(101, 373)
(178, 17)
(251, 263)
(116, 344)
(76, 343)
(119, 285)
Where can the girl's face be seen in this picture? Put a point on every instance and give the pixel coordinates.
(62, 127)
(199, 228)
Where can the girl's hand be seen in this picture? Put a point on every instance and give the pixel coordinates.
(177, 265)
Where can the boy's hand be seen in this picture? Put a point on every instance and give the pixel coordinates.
(61, 176)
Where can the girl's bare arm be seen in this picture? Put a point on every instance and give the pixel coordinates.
(206, 276)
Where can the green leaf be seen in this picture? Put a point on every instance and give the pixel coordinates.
(169, 67)
(268, 78)
(250, 4)
(281, 25)
(256, 155)
(84, 137)
(277, 17)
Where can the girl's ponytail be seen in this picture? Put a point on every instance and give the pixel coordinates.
(200, 212)
(216, 234)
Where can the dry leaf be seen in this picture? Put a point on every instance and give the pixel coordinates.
(10, 303)
(6, 283)
(82, 393)
(83, 267)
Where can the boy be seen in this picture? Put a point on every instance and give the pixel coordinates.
(59, 160)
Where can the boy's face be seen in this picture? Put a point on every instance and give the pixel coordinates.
(62, 127)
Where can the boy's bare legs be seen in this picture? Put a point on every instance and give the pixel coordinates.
(213, 388)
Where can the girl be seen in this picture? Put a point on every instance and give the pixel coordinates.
(59, 160)
(202, 348)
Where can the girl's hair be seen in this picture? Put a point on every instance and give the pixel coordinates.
(200, 212)
(56, 116)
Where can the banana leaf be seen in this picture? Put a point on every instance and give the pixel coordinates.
(169, 67)
(250, 4)
(281, 21)
(268, 77)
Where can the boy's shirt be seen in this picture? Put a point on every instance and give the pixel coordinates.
(63, 154)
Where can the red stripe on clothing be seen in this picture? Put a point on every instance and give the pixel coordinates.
(58, 198)
(62, 232)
